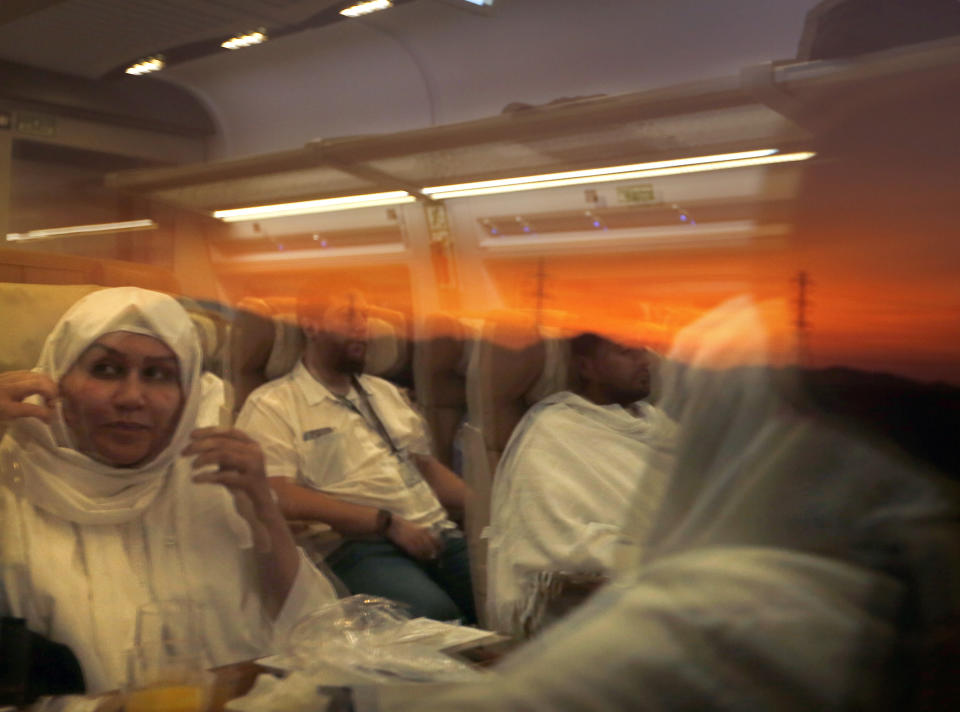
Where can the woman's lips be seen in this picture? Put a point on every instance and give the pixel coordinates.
(127, 427)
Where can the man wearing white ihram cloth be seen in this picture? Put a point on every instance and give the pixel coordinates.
(793, 566)
(568, 476)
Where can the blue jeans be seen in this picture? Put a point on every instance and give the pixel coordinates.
(438, 589)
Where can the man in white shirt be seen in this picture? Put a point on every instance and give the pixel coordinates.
(347, 452)
(564, 487)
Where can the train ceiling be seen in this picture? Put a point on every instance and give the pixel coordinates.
(99, 38)
(774, 105)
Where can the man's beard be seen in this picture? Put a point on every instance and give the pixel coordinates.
(352, 363)
(632, 393)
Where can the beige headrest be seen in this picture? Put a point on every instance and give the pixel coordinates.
(288, 341)
(384, 352)
(506, 361)
(30, 311)
(473, 328)
(555, 367)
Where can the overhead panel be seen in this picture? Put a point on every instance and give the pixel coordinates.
(433, 167)
(288, 186)
(610, 131)
(709, 131)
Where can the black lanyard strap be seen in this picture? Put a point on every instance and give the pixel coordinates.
(377, 423)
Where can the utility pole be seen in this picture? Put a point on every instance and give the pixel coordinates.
(541, 289)
(801, 323)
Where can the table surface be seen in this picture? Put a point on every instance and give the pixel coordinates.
(235, 680)
(230, 681)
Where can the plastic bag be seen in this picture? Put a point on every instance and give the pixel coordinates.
(375, 639)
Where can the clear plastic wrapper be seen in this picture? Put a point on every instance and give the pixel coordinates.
(375, 640)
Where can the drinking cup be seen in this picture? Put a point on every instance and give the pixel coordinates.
(165, 677)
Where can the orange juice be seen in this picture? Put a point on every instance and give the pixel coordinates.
(172, 698)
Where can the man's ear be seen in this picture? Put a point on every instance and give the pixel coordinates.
(584, 370)
(311, 327)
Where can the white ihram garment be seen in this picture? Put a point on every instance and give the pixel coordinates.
(789, 563)
(571, 474)
(83, 544)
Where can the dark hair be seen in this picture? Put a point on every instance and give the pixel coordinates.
(313, 301)
(586, 344)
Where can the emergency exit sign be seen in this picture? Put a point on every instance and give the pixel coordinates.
(639, 193)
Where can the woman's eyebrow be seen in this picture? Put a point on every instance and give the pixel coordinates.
(110, 351)
(120, 354)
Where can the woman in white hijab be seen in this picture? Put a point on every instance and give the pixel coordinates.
(112, 498)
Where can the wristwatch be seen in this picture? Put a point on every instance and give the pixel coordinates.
(384, 520)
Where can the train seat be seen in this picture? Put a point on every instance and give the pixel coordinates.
(440, 359)
(514, 364)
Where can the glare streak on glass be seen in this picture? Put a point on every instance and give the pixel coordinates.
(549, 181)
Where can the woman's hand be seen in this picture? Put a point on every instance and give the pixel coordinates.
(416, 541)
(17, 385)
(231, 458)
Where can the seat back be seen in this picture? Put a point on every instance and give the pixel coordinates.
(514, 364)
(440, 359)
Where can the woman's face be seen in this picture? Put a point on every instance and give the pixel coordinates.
(122, 398)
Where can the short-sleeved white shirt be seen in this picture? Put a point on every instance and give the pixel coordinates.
(308, 434)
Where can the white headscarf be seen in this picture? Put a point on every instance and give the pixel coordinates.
(70, 484)
(71, 526)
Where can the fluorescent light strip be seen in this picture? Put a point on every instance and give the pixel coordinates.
(333, 254)
(365, 8)
(678, 166)
(240, 41)
(728, 229)
(99, 228)
(546, 181)
(305, 207)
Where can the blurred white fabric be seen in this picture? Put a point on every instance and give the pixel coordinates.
(563, 491)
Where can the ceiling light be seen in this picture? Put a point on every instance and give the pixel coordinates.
(246, 40)
(151, 64)
(97, 229)
(611, 173)
(305, 207)
(365, 8)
